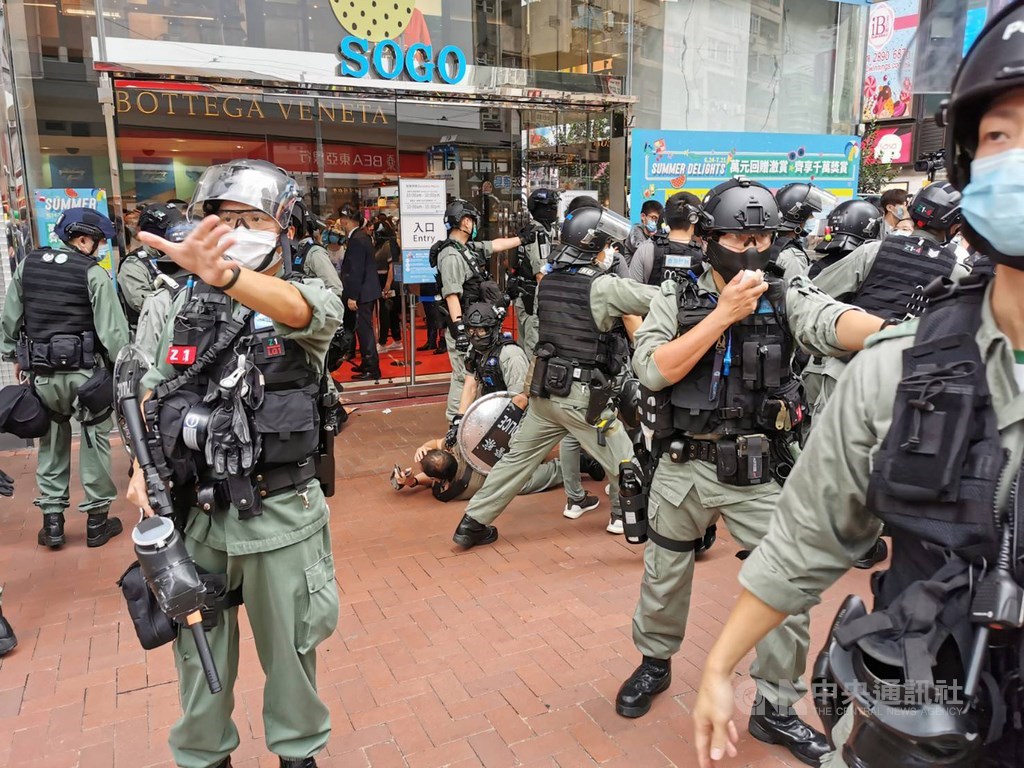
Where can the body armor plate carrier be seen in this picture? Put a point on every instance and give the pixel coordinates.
(674, 261)
(903, 268)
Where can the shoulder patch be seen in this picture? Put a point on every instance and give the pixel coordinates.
(901, 331)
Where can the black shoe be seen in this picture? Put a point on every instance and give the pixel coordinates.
(470, 533)
(875, 555)
(8, 642)
(649, 679)
(429, 345)
(442, 348)
(52, 533)
(702, 545)
(303, 762)
(367, 376)
(591, 466)
(769, 725)
(100, 529)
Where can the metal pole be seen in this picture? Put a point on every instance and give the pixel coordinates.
(629, 45)
(106, 96)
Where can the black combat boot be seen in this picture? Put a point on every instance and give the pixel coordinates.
(298, 762)
(8, 641)
(874, 556)
(470, 533)
(100, 529)
(771, 726)
(52, 533)
(703, 544)
(648, 680)
(591, 466)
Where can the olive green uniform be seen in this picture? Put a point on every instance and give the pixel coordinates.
(686, 498)
(454, 273)
(793, 262)
(821, 524)
(318, 264)
(135, 279)
(549, 419)
(282, 560)
(59, 392)
(842, 280)
(529, 323)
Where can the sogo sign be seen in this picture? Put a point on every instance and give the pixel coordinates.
(388, 60)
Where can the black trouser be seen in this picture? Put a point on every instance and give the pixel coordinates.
(435, 328)
(348, 322)
(389, 313)
(364, 333)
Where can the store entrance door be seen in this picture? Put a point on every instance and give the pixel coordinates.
(356, 150)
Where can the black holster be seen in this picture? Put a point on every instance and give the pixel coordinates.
(601, 389)
(540, 370)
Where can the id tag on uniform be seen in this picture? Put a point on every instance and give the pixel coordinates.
(678, 261)
(181, 355)
(273, 347)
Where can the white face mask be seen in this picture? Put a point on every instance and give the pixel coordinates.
(253, 248)
(606, 258)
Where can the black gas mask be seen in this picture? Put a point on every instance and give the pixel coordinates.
(483, 343)
(729, 263)
(546, 214)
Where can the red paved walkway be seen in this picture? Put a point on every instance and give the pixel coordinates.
(508, 655)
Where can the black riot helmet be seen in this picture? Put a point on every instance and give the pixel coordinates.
(482, 316)
(76, 222)
(589, 228)
(849, 225)
(157, 219)
(936, 207)
(305, 221)
(543, 206)
(798, 202)
(458, 210)
(738, 205)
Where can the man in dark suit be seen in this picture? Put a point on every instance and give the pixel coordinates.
(359, 279)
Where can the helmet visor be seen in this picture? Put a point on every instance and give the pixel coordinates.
(260, 186)
(820, 200)
(614, 225)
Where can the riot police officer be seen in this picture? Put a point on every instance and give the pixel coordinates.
(797, 203)
(670, 257)
(887, 278)
(64, 325)
(581, 348)
(528, 268)
(137, 271)
(235, 422)
(850, 225)
(496, 363)
(464, 278)
(721, 402)
(924, 434)
(169, 223)
(308, 256)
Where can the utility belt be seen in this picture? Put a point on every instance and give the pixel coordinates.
(246, 494)
(153, 627)
(742, 460)
(553, 375)
(62, 352)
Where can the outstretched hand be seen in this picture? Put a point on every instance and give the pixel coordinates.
(714, 730)
(201, 253)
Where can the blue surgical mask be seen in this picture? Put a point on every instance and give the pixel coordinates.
(993, 201)
(652, 226)
(901, 213)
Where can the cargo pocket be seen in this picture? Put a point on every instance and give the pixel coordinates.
(321, 614)
(289, 424)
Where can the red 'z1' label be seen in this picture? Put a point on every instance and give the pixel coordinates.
(181, 355)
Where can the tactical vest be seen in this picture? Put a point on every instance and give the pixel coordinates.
(286, 418)
(522, 267)
(566, 321)
(487, 367)
(934, 482)
(55, 293)
(903, 267)
(143, 258)
(477, 263)
(674, 261)
(742, 385)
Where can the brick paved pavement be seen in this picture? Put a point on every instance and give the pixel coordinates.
(508, 655)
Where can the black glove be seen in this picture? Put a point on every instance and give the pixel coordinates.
(527, 235)
(6, 484)
(229, 444)
(458, 332)
(453, 432)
